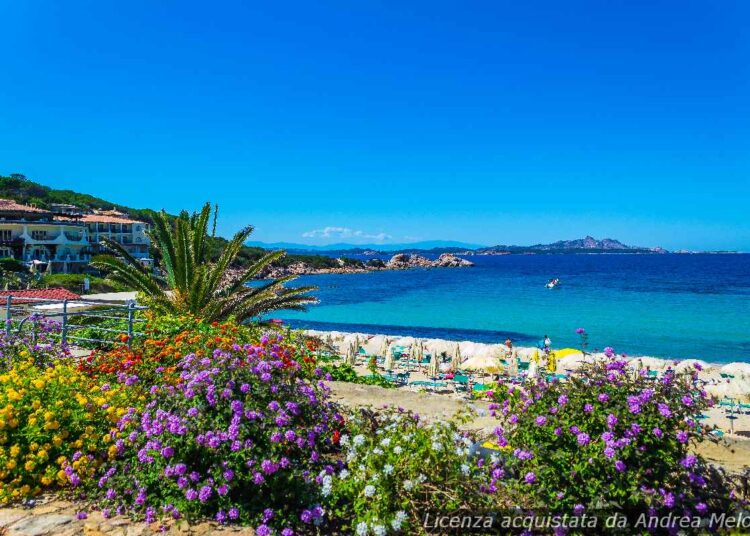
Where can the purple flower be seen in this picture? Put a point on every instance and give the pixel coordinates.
(530, 478)
(263, 530)
(191, 494)
(611, 420)
(234, 513)
(609, 351)
(167, 452)
(689, 461)
(609, 452)
(664, 410)
(82, 515)
(657, 432)
(588, 408)
(578, 509)
(583, 439)
(603, 397)
(541, 420)
(687, 400)
(562, 400)
(682, 436)
(620, 466)
(205, 493)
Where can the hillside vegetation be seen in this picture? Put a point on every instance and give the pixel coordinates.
(19, 188)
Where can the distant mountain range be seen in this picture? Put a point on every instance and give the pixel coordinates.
(580, 245)
(442, 245)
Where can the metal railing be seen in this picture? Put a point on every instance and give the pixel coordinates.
(24, 313)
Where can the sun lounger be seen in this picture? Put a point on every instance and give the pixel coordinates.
(428, 383)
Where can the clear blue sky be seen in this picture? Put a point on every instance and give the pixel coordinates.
(490, 122)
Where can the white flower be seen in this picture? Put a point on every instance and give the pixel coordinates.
(343, 474)
(436, 446)
(408, 485)
(359, 440)
(361, 528)
(369, 491)
(388, 469)
(385, 442)
(398, 520)
(397, 449)
(377, 450)
(465, 469)
(379, 530)
(421, 478)
(344, 440)
(361, 467)
(375, 477)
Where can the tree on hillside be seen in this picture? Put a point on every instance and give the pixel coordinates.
(192, 282)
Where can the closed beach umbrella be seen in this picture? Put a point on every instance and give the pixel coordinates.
(388, 355)
(433, 368)
(351, 355)
(456, 362)
(385, 348)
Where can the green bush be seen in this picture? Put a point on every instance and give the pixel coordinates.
(346, 373)
(74, 283)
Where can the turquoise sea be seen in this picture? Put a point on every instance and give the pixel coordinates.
(660, 305)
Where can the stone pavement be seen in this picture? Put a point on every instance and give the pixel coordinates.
(54, 517)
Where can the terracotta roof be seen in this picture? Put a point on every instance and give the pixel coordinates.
(39, 294)
(106, 218)
(8, 205)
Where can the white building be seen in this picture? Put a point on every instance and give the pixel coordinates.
(65, 236)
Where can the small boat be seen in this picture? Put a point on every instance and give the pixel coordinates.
(552, 283)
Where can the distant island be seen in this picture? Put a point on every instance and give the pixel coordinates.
(587, 245)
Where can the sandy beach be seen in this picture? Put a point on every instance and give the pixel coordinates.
(731, 450)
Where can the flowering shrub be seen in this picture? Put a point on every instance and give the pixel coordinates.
(167, 340)
(395, 467)
(38, 339)
(46, 415)
(608, 438)
(238, 438)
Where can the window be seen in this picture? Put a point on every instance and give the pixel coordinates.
(39, 235)
(6, 235)
(5, 252)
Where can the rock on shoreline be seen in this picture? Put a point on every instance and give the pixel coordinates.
(399, 261)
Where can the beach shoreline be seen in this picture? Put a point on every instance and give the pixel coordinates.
(722, 380)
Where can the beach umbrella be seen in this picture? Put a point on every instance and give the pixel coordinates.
(737, 369)
(456, 362)
(351, 357)
(389, 361)
(484, 363)
(433, 367)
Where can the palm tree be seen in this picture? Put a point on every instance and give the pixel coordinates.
(192, 282)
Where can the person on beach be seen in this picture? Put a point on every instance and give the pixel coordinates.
(547, 344)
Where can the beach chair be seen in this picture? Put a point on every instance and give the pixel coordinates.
(461, 382)
(429, 384)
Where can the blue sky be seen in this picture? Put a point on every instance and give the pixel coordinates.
(489, 122)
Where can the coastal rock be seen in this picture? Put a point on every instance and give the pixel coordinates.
(401, 261)
(404, 260)
(449, 260)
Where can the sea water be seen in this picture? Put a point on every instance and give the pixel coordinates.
(671, 305)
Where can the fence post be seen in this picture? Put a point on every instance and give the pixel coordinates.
(131, 310)
(8, 303)
(65, 323)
